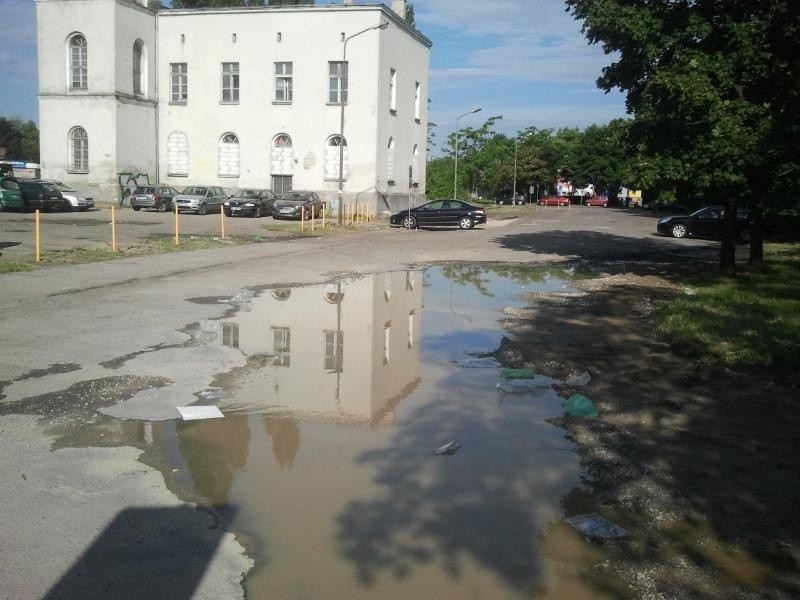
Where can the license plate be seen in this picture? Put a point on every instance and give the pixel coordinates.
(285, 211)
(235, 209)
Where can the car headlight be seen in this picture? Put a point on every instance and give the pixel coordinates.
(226, 203)
(663, 220)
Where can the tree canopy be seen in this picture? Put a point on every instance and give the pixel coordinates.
(20, 139)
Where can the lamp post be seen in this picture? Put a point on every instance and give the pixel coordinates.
(514, 193)
(342, 90)
(455, 170)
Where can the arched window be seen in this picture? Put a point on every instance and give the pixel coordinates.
(138, 67)
(78, 63)
(228, 156)
(78, 150)
(178, 154)
(282, 156)
(335, 146)
(390, 162)
(415, 165)
(281, 293)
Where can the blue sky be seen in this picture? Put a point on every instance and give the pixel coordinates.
(523, 59)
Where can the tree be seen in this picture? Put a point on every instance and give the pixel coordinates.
(20, 139)
(713, 87)
(410, 15)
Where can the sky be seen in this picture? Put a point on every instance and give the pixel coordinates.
(525, 60)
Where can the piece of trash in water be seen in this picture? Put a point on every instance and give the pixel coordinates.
(524, 386)
(489, 362)
(448, 448)
(594, 526)
(212, 393)
(575, 380)
(580, 406)
(518, 374)
(192, 413)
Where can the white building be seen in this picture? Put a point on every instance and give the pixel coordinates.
(236, 97)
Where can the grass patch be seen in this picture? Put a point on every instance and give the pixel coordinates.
(749, 322)
(153, 245)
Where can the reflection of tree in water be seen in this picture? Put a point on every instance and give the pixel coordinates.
(479, 276)
(285, 434)
(214, 450)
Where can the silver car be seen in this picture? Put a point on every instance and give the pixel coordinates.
(74, 199)
(200, 199)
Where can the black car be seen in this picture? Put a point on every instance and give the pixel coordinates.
(440, 213)
(158, 197)
(40, 194)
(250, 203)
(297, 204)
(707, 222)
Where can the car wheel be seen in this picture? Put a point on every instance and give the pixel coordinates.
(563, 204)
(66, 206)
(466, 223)
(679, 230)
(409, 222)
(227, 213)
(136, 208)
(202, 209)
(257, 212)
(744, 235)
(162, 207)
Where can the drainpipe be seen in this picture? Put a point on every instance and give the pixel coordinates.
(157, 123)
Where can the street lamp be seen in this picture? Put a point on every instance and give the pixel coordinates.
(339, 217)
(455, 170)
(516, 147)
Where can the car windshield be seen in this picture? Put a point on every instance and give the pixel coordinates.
(194, 190)
(295, 196)
(144, 190)
(246, 194)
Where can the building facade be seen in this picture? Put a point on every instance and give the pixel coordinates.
(130, 92)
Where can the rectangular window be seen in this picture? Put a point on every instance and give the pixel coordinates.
(281, 184)
(417, 93)
(283, 82)
(230, 335)
(230, 82)
(393, 90)
(334, 349)
(337, 82)
(179, 82)
(282, 338)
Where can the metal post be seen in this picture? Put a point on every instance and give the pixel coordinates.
(455, 167)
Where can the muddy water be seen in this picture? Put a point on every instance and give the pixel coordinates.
(326, 452)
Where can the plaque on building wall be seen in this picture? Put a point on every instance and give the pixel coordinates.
(310, 160)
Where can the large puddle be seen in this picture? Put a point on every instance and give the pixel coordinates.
(325, 459)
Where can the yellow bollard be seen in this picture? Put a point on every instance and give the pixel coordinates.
(177, 239)
(38, 254)
(313, 218)
(222, 222)
(113, 231)
(323, 216)
(302, 219)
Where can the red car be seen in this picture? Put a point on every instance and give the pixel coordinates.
(597, 201)
(553, 201)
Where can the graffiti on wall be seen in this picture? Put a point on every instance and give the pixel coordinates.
(128, 182)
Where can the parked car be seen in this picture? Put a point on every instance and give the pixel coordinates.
(511, 200)
(440, 213)
(297, 204)
(73, 199)
(10, 194)
(707, 222)
(597, 201)
(40, 194)
(157, 197)
(249, 202)
(671, 208)
(553, 201)
(200, 199)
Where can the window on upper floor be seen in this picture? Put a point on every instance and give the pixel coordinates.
(78, 62)
(228, 156)
(177, 154)
(335, 148)
(337, 82)
(417, 94)
(393, 90)
(230, 82)
(138, 67)
(78, 150)
(283, 82)
(178, 83)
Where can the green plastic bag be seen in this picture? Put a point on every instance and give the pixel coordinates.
(580, 406)
(518, 374)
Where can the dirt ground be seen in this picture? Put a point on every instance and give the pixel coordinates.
(699, 462)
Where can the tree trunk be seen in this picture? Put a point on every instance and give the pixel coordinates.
(727, 249)
(756, 260)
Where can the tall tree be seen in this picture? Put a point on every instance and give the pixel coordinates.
(20, 139)
(713, 87)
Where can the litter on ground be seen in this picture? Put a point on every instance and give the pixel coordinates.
(593, 525)
(194, 413)
(448, 448)
(212, 393)
(580, 406)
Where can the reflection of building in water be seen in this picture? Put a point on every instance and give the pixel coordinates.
(349, 348)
